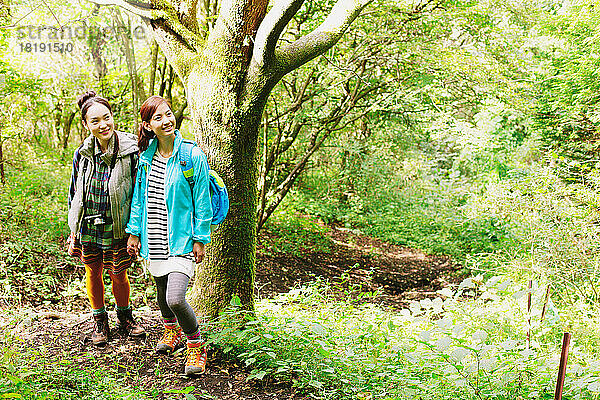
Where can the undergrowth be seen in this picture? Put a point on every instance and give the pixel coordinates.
(469, 344)
(25, 373)
(33, 228)
(287, 231)
(33, 202)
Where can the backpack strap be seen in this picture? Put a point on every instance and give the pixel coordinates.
(218, 192)
(185, 161)
(84, 166)
(133, 166)
(187, 166)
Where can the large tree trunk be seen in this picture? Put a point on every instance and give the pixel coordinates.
(228, 135)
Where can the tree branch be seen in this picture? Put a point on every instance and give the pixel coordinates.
(176, 29)
(299, 98)
(175, 48)
(270, 29)
(292, 56)
(284, 187)
(142, 8)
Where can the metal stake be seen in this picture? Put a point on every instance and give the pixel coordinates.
(562, 368)
(545, 303)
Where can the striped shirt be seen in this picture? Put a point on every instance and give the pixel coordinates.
(158, 229)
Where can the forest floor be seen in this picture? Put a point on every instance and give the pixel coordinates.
(395, 275)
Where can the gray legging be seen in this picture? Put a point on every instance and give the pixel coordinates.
(170, 293)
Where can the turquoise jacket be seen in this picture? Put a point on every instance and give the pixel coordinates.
(187, 222)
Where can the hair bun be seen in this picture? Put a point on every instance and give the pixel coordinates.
(85, 97)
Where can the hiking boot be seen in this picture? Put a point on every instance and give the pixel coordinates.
(170, 340)
(196, 358)
(127, 323)
(101, 332)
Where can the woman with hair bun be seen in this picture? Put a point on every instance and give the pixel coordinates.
(100, 194)
(170, 224)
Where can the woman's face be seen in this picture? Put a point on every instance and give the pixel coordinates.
(162, 122)
(99, 121)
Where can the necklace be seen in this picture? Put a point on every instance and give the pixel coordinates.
(169, 154)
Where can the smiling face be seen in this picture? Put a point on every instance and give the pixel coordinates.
(99, 121)
(162, 122)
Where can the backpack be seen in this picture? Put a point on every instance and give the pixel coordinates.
(218, 192)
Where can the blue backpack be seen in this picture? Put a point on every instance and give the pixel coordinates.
(218, 192)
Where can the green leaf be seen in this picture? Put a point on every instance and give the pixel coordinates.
(594, 386)
(254, 339)
(260, 375)
(318, 329)
(235, 301)
(324, 353)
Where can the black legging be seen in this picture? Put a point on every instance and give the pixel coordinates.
(170, 294)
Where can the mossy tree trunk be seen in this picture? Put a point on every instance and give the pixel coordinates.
(228, 74)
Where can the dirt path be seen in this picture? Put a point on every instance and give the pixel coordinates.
(64, 338)
(354, 263)
(397, 274)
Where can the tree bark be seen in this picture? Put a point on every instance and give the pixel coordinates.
(179, 114)
(68, 121)
(227, 134)
(96, 41)
(163, 78)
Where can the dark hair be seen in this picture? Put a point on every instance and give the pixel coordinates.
(146, 112)
(87, 99)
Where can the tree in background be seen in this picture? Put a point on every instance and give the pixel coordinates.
(18, 100)
(567, 110)
(229, 68)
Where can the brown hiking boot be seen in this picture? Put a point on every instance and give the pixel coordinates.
(101, 332)
(196, 358)
(127, 324)
(170, 340)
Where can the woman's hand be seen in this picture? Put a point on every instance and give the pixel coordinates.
(133, 245)
(198, 252)
(71, 244)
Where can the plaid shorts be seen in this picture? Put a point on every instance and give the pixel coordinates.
(115, 260)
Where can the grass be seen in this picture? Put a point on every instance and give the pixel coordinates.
(467, 343)
(431, 215)
(33, 228)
